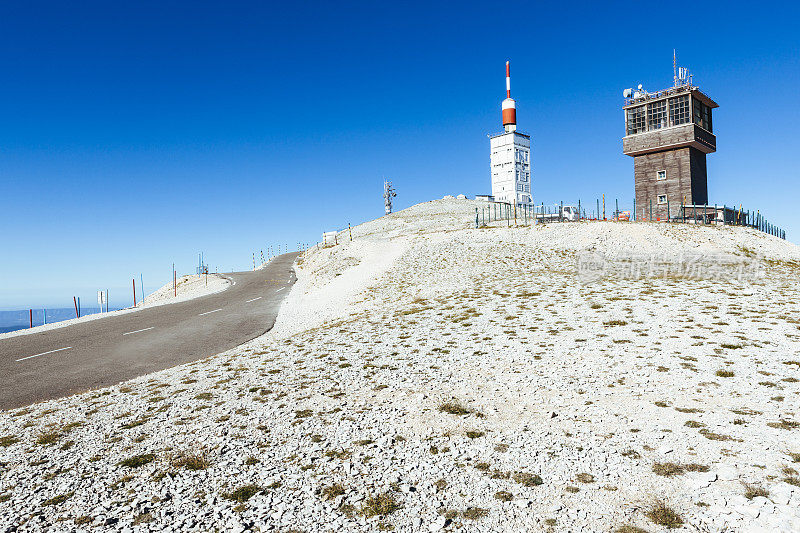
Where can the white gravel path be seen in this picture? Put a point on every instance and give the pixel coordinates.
(569, 399)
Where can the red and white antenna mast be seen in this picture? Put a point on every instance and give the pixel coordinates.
(508, 79)
(509, 105)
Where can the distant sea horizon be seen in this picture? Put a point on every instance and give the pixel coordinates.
(20, 319)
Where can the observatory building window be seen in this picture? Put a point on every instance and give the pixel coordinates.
(635, 120)
(701, 115)
(657, 115)
(661, 175)
(679, 110)
(662, 198)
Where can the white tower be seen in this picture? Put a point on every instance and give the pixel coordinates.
(510, 156)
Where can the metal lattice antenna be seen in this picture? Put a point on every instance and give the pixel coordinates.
(674, 69)
(388, 194)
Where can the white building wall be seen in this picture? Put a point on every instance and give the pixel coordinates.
(510, 162)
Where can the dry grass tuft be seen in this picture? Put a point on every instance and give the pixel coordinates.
(191, 461)
(454, 408)
(753, 491)
(332, 491)
(380, 505)
(137, 461)
(474, 513)
(527, 479)
(243, 493)
(662, 515)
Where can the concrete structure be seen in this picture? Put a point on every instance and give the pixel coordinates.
(510, 156)
(668, 134)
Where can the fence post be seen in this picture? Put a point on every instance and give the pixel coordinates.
(579, 210)
(667, 209)
(476, 218)
(598, 209)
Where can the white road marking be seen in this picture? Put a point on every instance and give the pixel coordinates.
(137, 331)
(44, 353)
(279, 290)
(253, 300)
(207, 312)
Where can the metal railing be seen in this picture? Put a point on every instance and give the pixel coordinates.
(526, 214)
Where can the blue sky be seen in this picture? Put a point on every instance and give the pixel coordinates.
(135, 135)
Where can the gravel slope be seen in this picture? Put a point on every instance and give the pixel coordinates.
(431, 376)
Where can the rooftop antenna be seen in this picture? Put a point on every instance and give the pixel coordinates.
(674, 69)
(388, 194)
(680, 75)
(509, 105)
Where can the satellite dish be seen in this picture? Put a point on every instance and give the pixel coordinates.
(639, 87)
(627, 93)
(637, 94)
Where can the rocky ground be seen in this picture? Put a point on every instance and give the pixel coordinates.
(431, 376)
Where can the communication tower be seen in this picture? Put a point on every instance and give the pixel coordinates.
(388, 194)
(509, 157)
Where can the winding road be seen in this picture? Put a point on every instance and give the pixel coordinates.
(97, 353)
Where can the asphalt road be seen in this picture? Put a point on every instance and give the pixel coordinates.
(102, 352)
